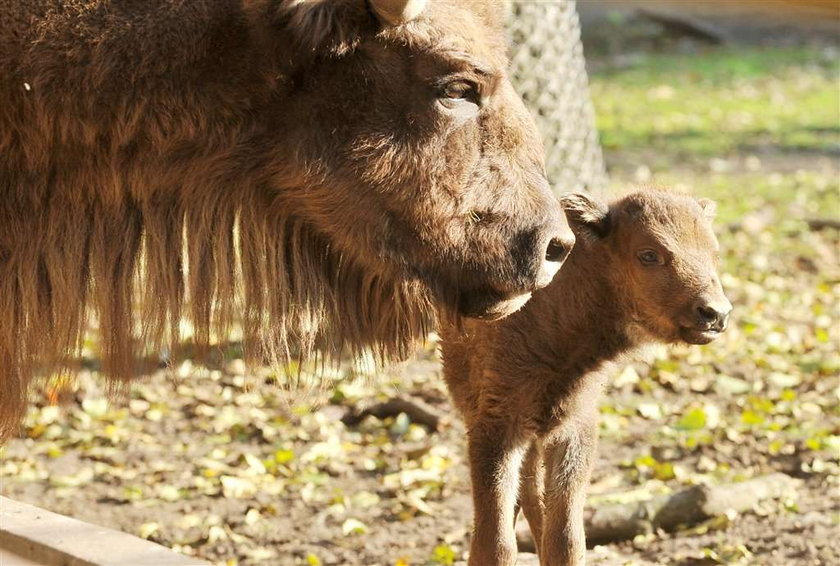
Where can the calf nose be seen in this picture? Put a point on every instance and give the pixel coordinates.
(714, 313)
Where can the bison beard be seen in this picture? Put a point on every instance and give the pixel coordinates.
(298, 167)
(130, 265)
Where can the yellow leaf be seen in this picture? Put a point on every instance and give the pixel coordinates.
(444, 555)
(353, 527)
(693, 420)
(751, 418)
(148, 529)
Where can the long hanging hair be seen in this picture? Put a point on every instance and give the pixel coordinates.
(139, 269)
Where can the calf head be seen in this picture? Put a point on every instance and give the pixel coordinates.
(418, 159)
(662, 257)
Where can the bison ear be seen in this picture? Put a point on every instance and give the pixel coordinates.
(709, 207)
(585, 214)
(320, 27)
(397, 12)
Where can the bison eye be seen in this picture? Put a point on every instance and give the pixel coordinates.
(456, 92)
(649, 257)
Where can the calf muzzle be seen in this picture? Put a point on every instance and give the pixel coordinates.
(713, 315)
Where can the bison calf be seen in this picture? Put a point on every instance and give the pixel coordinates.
(643, 270)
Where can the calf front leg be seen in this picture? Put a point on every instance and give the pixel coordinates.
(495, 461)
(568, 461)
(532, 490)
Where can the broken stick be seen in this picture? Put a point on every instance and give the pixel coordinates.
(418, 411)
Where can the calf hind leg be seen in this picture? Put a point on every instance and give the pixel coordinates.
(568, 460)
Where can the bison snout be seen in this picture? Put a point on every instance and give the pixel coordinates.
(557, 250)
(713, 314)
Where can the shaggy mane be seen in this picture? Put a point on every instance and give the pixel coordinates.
(139, 269)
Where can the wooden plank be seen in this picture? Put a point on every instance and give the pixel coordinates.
(48, 539)
(11, 559)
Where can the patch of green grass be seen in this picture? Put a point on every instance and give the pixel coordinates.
(720, 101)
(789, 197)
(794, 196)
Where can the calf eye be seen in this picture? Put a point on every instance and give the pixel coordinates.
(649, 257)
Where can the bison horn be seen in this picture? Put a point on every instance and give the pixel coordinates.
(396, 12)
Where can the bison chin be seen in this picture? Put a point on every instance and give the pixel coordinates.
(489, 305)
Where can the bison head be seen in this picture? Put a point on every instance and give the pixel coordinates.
(411, 154)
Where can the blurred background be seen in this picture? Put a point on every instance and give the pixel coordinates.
(738, 101)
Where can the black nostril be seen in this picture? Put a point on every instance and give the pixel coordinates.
(708, 314)
(557, 250)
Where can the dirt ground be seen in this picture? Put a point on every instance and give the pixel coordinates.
(248, 481)
(216, 460)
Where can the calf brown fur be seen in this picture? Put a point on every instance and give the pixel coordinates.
(643, 270)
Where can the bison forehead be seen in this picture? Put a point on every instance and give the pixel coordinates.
(469, 30)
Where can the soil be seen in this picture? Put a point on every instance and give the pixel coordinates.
(119, 476)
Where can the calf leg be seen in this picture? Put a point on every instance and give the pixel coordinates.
(532, 490)
(568, 460)
(495, 461)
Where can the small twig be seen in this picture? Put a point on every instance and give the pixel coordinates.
(418, 411)
(817, 224)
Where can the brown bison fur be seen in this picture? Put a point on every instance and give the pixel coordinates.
(298, 166)
(643, 270)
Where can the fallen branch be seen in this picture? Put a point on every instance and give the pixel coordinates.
(623, 521)
(817, 224)
(683, 24)
(418, 411)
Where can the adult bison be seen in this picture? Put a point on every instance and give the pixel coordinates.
(322, 171)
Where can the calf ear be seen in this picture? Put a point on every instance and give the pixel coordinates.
(586, 214)
(709, 207)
